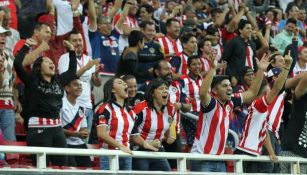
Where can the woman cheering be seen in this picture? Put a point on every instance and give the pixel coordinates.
(47, 91)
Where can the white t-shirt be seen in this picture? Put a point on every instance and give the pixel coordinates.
(73, 118)
(64, 16)
(85, 98)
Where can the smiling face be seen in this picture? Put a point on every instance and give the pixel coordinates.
(160, 95)
(74, 88)
(120, 89)
(248, 78)
(246, 32)
(191, 45)
(173, 30)
(223, 90)
(47, 67)
(195, 67)
(144, 15)
(43, 33)
(165, 71)
(132, 87)
(77, 41)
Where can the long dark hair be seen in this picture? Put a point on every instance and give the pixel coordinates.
(152, 86)
(36, 68)
(108, 95)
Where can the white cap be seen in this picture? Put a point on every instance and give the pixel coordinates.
(7, 32)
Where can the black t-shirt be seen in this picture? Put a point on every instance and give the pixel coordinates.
(295, 138)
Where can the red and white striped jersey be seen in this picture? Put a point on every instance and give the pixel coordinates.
(275, 111)
(170, 47)
(298, 70)
(129, 21)
(218, 51)
(182, 67)
(249, 57)
(255, 127)
(205, 64)
(152, 124)
(213, 125)
(191, 88)
(41, 122)
(119, 120)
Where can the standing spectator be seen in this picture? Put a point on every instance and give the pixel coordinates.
(46, 99)
(294, 142)
(11, 4)
(301, 64)
(85, 70)
(73, 120)
(179, 62)
(130, 23)
(284, 38)
(153, 121)
(170, 43)
(240, 51)
(151, 53)
(191, 86)
(5, 23)
(115, 123)
(256, 133)
(9, 96)
(129, 60)
(213, 123)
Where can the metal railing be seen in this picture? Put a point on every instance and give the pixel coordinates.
(42, 152)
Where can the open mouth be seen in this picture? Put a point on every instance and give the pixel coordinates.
(229, 93)
(51, 67)
(164, 97)
(126, 90)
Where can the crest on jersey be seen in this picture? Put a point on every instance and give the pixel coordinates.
(152, 50)
(228, 108)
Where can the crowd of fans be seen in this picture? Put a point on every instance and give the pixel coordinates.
(124, 73)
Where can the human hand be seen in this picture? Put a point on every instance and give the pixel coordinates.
(148, 146)
(264, 62)
(44, 46)
(125, 149)
(68, 45)
(156, 143)
(31, 42)
(83, 134)
(273, 158)
(91, 63)
(18, 106)
(288, 60)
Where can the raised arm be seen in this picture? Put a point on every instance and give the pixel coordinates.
(233, 24)
(301, 88)
(32, 56)
(120, 23)
(252, 92)
(280, 81)
(70, 74)
(22, 74)
(92, 15)
(206, 83)
(114, 10)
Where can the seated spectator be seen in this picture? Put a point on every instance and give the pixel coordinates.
(46, 100)
(73, 120)
(115, 121)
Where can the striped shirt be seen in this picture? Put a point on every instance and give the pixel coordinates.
(213, 125)
(275, 112)
(152, 124)
(191, 88)
(118, 120)
(255, 127)
(180, 63)
(169, 46)
(38, 122)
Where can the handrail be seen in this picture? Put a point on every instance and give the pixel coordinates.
(181, 158)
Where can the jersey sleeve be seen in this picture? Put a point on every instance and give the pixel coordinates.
(210, 107)
(175, 62)
(261, 104)
(138, 121)
(103, 116)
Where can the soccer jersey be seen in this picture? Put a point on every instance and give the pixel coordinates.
(119, 122)
(213, 125)
(191, 88)
(73, 119)
(170, 47)
(152, 124)
(180, 63)
(255, 127)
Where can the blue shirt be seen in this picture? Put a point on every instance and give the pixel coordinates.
(106, 48)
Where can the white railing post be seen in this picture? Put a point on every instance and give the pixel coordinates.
(182, 164)
(41, 160)
(114, 164)
(239, 166)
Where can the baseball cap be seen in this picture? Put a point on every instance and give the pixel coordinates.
(273, 72)
(3, 30)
